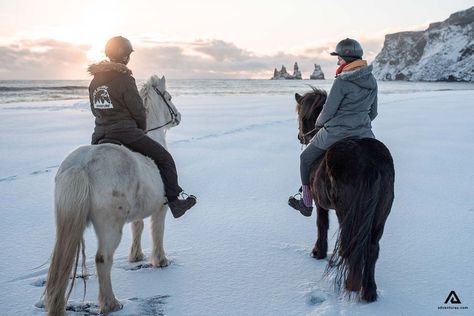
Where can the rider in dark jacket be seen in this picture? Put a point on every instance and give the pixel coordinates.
(120, 115)
(348, 112)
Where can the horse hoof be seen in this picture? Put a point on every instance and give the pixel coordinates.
(111, 307)
(161, 263)
(369, 296)
(317, 254)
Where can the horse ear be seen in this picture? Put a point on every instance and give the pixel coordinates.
(298, 97)
(163, 82)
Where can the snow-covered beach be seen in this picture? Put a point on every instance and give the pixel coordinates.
(242, 250)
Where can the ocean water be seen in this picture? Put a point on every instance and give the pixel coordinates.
(30, 91)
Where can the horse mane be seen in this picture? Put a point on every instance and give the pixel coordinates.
(147, 87)
(311, 102)
(151, 100)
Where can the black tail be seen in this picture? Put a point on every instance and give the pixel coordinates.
(356, 206)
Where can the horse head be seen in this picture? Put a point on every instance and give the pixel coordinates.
(161, 112)
(308, 108)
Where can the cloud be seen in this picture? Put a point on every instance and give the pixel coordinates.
(51, 59)
(212, 59)
(42, 59)
(220, 50)
(221, 59)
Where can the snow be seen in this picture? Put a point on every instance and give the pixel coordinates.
(441, 52)
(242, 250)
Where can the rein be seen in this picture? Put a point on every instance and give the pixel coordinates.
(313, 130)
(172, 112)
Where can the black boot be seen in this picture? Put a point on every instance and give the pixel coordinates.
(179, 207)
(298, 205)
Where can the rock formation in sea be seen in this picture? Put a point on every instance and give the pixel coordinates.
(317, 73)
(284, 75)
(296, 72)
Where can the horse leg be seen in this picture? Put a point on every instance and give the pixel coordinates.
(109, 236)
(320, 249)
(136, 253)
(369, 288)
(158, 257)
(353, 281)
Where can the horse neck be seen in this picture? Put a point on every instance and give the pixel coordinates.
(159, 136)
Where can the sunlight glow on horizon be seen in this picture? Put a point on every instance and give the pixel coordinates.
(261, 33)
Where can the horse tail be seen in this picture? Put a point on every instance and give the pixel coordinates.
(72, 205)
(359, 203)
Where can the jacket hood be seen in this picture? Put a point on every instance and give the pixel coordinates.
(105, 66)
(361, 76)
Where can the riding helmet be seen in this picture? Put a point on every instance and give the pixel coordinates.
(348, 48)
(118, 47)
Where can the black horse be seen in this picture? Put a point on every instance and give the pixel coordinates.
(356, 178)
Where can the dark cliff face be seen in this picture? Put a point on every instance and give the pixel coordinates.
(444, 51)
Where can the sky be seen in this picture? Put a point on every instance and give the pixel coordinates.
(57, 39)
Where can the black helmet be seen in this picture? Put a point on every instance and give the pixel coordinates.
(348, 48)
(118, 47)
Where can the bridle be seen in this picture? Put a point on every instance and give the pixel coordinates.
(173, 114)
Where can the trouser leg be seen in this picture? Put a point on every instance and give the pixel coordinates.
(307, 158)
(164, 162)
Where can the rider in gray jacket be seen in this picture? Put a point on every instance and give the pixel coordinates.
(348, 112)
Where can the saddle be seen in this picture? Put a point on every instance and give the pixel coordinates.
(109, 141)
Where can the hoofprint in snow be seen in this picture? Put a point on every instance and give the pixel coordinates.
(242, 250)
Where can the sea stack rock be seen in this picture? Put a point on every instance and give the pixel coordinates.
(284, 75)
(317, 73)
(280, 74)
(442, 52)
(296, 72)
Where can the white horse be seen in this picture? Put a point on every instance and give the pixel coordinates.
(108, 185)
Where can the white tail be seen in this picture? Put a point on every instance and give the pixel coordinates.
(72, 206)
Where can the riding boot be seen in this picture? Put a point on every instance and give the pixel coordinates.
(178, 207)
(299, 205)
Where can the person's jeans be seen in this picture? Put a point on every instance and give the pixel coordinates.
(307, 158)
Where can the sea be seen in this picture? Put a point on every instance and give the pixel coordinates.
(34, 91)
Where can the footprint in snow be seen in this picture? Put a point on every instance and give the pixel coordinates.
(6, 179)
(46, 170)
(139, 267)
(83, 308)
(316, 297)
(42, 281)
(150, 306)
(144, 265)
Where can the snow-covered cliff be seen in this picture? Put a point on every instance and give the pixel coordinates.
(443, 52)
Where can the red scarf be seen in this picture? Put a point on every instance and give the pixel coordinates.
(340, 68)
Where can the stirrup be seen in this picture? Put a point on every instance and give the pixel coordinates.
(303, 209)
(183, 196)
(299, 193)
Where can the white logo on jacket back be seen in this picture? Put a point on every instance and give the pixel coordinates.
(101, 98)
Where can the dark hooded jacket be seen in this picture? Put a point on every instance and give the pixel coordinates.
(116, 104)
(350, 107)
